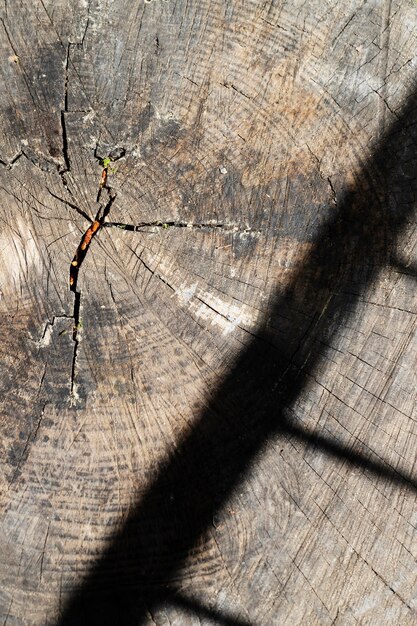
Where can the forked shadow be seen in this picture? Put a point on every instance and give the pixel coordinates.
(253, 403)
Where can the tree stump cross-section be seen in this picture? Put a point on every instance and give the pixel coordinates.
(207, 287)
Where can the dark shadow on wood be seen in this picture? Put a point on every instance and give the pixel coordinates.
(140, 568)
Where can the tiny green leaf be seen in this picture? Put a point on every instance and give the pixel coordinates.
(106, 162)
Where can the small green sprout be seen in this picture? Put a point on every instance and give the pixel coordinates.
(165, 225)
(106, 162)
(78, 326)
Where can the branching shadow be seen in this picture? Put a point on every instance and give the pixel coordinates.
(254, 402)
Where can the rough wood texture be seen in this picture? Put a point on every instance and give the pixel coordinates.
(228, 434)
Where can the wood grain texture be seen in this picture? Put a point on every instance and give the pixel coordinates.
(230, 438)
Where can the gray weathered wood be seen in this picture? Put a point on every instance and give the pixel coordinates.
(170, 466)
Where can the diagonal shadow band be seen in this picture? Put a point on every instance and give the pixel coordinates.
(139, 568)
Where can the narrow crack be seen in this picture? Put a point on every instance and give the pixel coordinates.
(81, 43)
(34, 158)
(86, 239)
(322, 175)
(9, 164)
(47, 331)
(70, 204)
(239, 91)
(66, 78)
(162, 224)
(76, 328)
(234, 229)
(16, 158)
(153, 272)
(6, 30)
(32, 436)
(38, 424)
(334, 195)
(62, 170)
(82, 250)
(64, 148)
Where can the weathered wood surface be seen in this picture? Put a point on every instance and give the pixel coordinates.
(239, 443)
